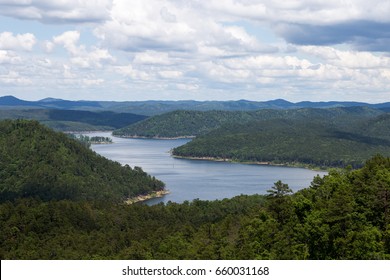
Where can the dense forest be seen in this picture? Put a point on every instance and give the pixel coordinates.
(60, 200)
(72, 120)
(194, 123)
(334, 137)
(343, 215)
(313, 143)
(35, 161)
(88, 141)
(181, 124)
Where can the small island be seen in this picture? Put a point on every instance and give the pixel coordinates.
(99, 140)
(91, 140)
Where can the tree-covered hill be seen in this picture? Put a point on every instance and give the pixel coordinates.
(312, 140)
(38, 162)
(343, 215)
(73, 120)
(378, 126)
(181, 124)
(194, 123)
(332, 137)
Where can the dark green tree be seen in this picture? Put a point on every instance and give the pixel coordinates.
(279, 190)
(279, 202)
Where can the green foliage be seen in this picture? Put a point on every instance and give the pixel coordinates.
(100, 139)
(334, 137)
(279, 190)
(99, 119)
(87, 141)
(310, 141)
(32, 229)
(343, 215)
(195, 123)
(36, 161)
(180, 124)
(72, 120)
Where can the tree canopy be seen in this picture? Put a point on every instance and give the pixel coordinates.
(60, 200)
(36, 161)
(314, 142)
(332, 137)
(343, 215)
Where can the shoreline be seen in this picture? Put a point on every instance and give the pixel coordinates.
(268, 163)
(215, 159)
(86, 131)
(154, 137)
(140, 198)
(100, 143)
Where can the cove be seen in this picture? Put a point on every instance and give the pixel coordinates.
(199, 179)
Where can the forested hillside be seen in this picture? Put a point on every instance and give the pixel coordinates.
(316, 143)
(333, 137)
(38, 162)
(182, 124)
(344, 215)
(194, 123)
(71, 120)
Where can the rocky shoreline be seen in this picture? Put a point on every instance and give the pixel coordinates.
(145, 197)
(227, 160)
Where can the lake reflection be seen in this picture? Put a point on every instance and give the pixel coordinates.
(191, 179)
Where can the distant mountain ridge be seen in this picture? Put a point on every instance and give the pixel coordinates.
(73, 120)
(53, 103)
(10, 100)
(156, 107)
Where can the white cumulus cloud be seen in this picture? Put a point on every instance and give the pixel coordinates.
(14, 78)
(8, 57)
(9, 41)
(129, 71)
(70, 11)
(205, 48)
(80, 55)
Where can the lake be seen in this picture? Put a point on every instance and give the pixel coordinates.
(191, 179)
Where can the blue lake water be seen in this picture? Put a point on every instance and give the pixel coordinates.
(191, 179)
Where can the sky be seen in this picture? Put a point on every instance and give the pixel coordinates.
(196, 49)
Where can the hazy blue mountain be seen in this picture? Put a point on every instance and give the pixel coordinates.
(156, 107)
(151, 108)
(10, 100)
